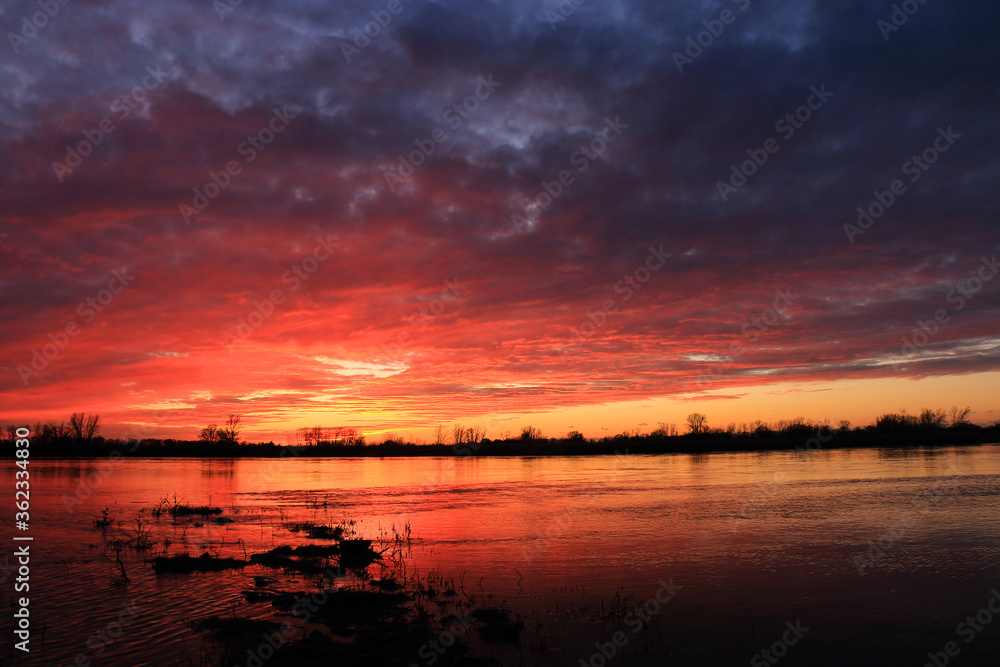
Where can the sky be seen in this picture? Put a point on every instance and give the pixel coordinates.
(594, 215)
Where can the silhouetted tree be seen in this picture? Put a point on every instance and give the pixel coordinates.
(440, 435)
(896, 422)
(530, 433)
(345, 435)
(230, 433)
(84, 427)
(210, 433)
(798, 427)
(314, 435)
(960, 416)
(697, 423)
(76, 423)
(932, 419)
(52, 431)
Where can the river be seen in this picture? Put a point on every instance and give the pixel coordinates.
(862, 557)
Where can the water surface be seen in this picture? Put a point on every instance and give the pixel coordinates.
(754, 540)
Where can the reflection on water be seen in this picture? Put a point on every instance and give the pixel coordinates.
(883, 552)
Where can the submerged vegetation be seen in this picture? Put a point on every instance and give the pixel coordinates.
(185, 563)
(348, 599)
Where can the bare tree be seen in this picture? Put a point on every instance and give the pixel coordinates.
(697, 423)
(92, 426)
(76, 423)
(530, 433)
(960, 416)
(664, 430)
(315, 435)
(932, 419)
(347, 435)
(83, 427)
(53, 431)
(440, 435)
(476, 434)
(459, 434)
(210, 433)
(328, 435)
(231, 431)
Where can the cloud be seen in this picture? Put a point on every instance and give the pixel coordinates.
(529, 294)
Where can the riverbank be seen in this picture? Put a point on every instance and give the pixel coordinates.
(806, 440)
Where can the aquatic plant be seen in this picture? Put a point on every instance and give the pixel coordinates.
(185, 564)
(105, 521)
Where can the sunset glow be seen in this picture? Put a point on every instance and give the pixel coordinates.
(513, 333)
(261, 223)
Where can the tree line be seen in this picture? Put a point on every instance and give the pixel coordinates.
(85, 429)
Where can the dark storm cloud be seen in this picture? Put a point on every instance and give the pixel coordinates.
(563, 77)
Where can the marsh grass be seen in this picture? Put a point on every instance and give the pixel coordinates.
(377, 609)
(105, 521)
